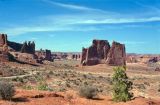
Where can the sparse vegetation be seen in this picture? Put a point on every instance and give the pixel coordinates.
(121, 85)
(6, 90)
(62, 79)
(44, 86)
(27, 87)
(6, 70)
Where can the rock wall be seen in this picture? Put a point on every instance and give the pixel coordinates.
(28, 47)
(101, 52)
(14, 46)
(116, 55)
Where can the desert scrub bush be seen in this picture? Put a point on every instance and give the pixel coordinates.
(27, 87)
(39, 77)
(7, 90)
(44, 86)
(18, 79)
(88, 92)
(121, 85)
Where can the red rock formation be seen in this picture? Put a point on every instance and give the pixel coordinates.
(84, 54)
(100, 51)
(102, 48)
(24, 57)
(44, 55)
(3, 48)
(28, 47)
(116, 55)
(92, 55)
(3, 40)
(48, 55)
(72, 56)
(96, 53)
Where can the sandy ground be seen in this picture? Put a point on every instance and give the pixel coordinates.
(24, 97)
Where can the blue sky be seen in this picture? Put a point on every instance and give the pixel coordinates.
(69, 25)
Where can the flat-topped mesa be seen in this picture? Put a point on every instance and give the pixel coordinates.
(100, 52)
(96, 53)
(116, 55)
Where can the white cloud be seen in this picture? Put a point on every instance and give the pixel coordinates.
(118, 20)
(74, 23)
(103, 17)
(49, 28)
(77, 22)
(76, 7)
(149, 7)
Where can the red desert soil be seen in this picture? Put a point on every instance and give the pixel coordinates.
(26, 97)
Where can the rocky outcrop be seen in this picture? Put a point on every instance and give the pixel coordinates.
(44, 55)
(24, 53)
(83, 56)
(96, 53)
(28, 47)
(48, 55)
(116, 55)
(73, 56)
(3, 48)
(101, 52)
(3, 40)
(14, 46)
(24, 57)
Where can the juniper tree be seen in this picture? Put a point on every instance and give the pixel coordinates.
(121, 85)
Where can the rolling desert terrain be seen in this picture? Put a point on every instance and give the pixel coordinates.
(62, 80)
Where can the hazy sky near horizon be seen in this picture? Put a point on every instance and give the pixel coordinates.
(69, 25)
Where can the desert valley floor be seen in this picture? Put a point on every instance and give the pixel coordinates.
(58, 83)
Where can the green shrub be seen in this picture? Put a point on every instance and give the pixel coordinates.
(88, 92)
(27, 87)
(44, 86)
(121, 85)
(6, 90)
